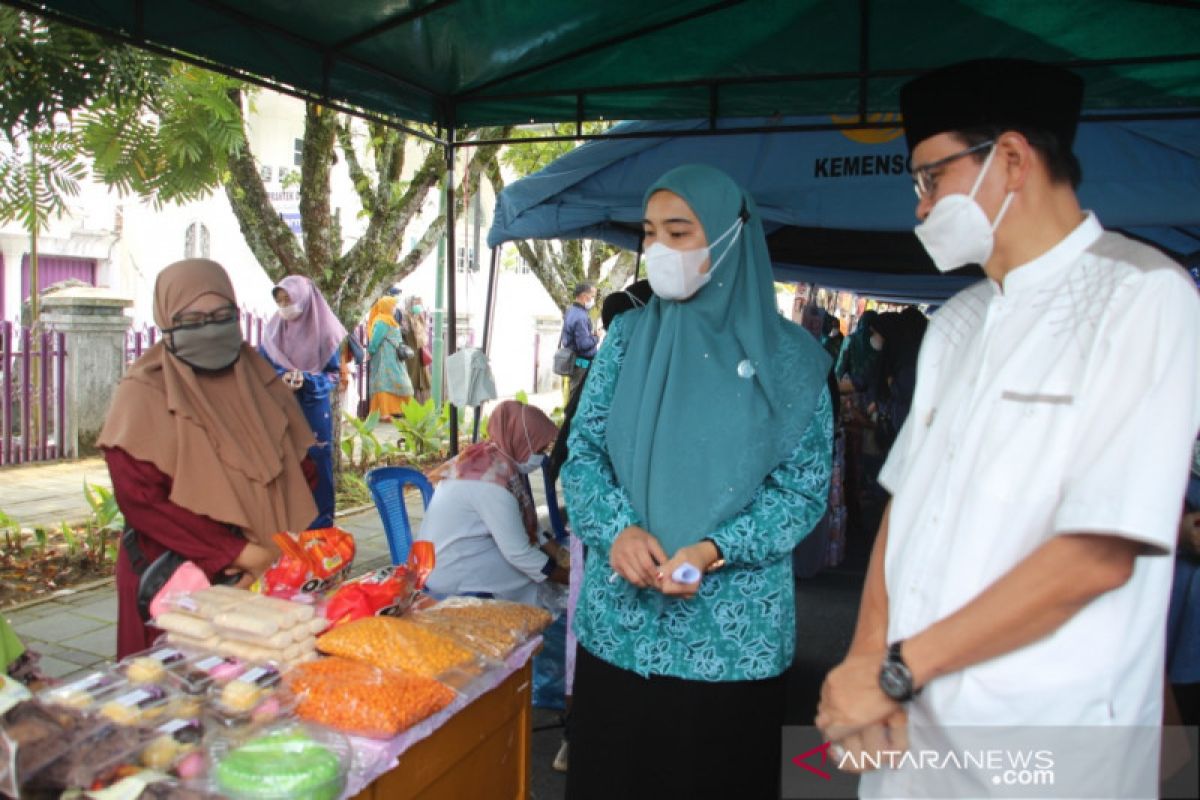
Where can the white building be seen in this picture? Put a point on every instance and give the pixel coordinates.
(121, 242)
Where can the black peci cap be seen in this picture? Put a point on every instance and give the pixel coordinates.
(993, 92)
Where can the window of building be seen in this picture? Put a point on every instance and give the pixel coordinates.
(196, 241)
(466, 261)
(265, 172)
(298, 153)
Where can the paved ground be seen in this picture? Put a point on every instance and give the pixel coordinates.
(47, 494)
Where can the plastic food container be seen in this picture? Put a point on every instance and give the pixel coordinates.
(254, 697)
(82, 694)
(152, 666)
(176, 748)
(198, 675)
(282, 762)
(127, 704)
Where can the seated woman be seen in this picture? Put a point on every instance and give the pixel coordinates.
(482, 519)
(204, 445)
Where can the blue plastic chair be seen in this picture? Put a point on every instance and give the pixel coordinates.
(387, 489)
(556, 521)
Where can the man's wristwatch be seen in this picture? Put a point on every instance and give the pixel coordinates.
(895, 678)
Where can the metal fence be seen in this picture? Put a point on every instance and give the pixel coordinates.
(33, 371)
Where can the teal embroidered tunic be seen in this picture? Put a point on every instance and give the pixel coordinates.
(741, 625)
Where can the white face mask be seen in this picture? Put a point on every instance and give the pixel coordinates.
(534, 462)
(675, 274)
(876, 342)
(957, 231)
(290, 312)
(589, 305)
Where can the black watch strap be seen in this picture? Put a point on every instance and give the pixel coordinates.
(895, 677)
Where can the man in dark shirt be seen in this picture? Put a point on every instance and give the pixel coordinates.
(577, 333)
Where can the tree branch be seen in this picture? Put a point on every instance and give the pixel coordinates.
(267, 235)
(320, 125)
(359, 177)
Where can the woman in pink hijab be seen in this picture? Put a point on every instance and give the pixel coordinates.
(302, 342)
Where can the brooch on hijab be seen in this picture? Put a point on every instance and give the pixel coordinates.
(745, 369)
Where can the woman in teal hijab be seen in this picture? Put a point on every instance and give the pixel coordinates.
(702, 443)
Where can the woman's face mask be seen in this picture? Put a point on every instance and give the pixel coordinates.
(289, 312)
(675, 274)
(210, 347)
(876, 342)
(534, 462)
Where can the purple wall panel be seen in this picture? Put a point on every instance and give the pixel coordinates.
(53, 269)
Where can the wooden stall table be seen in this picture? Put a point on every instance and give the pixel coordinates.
(480, 749)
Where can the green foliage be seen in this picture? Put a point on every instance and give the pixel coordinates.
(106, 514)
(152, 127)
(352, 490)
(526, 159)
(46, 70)
(68, 535)
(35, 190)
(424, 429)
(7, 523)
(174, 146)
(522, 397)
(361, 448)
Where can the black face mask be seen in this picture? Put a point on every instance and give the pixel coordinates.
(210, 347)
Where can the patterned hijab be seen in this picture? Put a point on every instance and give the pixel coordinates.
(516, 431)
(232, 442)
(309, 341)
(717, 390)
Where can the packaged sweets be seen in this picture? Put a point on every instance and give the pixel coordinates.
(152, 666)
(81, 694)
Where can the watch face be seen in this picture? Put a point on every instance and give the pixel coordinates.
(895, 681)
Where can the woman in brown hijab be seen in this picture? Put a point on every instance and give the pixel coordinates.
(204, 445)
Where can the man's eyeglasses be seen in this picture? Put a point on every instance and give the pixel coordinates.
(195, 319)
(924, 181)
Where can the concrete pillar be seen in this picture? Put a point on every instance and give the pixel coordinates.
(95, 324)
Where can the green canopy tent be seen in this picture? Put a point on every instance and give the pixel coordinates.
(470, 63)
(474, 63)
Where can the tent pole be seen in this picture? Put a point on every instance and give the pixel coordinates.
(637, 262)
(451, 289)
(488, 310)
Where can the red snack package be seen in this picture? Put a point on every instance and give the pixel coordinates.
(384, 592)
(313, 562)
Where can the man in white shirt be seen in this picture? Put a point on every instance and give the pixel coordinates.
(1022, 569)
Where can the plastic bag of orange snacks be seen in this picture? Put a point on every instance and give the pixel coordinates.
(391, 643)
(493, 627)
(360, 699)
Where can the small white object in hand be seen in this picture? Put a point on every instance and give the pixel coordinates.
(745, 369)
(686, 573)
